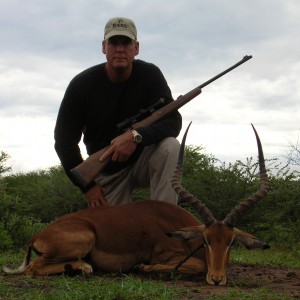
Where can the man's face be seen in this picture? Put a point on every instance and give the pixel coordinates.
(120, 51)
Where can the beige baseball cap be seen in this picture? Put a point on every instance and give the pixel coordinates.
(120, 26)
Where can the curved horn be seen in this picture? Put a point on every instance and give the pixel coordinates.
(245, 205)
(185, 195)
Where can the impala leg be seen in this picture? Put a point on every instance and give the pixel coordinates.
(40, 267)
(192, 266)
(57, 251)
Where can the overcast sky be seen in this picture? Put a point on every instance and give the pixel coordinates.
(45, 43)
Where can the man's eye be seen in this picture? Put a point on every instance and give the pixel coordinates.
(114, 41)
(120, 41)
(125, 43)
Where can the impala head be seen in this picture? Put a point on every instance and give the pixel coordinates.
(218, 236)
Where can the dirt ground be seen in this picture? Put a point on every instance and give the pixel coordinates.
(280, 280)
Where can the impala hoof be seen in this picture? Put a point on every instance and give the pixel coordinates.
(85, 269)
(139, 268)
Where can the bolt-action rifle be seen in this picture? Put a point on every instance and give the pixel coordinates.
(88, 170)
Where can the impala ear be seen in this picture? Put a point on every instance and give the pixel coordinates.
(187, 233)
(249, 241)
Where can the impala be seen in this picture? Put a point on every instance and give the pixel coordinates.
(150, 235)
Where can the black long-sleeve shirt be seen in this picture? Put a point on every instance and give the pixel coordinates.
(93, 106)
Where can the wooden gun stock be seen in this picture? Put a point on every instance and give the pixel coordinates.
(88, 170)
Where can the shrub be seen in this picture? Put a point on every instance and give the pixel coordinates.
(30, 201)
(45, 195)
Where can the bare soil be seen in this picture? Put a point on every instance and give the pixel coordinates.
(241, 277)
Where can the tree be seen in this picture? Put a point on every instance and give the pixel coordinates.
(3, 158)
(293, 156)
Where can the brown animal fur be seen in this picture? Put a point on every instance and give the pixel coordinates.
(115, 239)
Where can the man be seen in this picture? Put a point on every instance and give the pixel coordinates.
(102, 96)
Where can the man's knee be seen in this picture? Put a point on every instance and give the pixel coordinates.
(165, 155)
(169, 146)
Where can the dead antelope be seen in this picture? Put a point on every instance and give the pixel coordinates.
(121, 238)
(218, 236)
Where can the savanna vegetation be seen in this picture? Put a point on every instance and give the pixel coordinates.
(30, 201)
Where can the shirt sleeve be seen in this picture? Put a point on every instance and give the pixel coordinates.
(68, 130)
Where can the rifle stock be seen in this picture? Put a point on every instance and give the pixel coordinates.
(88, 170)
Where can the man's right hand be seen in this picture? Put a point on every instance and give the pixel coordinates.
(95, 197)
(120, 148)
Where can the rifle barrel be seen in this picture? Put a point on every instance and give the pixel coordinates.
(245, 58)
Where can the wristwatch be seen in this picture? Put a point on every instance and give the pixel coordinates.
(137, 138)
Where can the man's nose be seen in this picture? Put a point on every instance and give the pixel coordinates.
(120, 46)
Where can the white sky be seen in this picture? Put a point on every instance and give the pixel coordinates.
(45, 43)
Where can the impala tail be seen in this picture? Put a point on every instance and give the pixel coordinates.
(25, 263)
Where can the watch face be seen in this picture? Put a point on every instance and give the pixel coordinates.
(138, 138)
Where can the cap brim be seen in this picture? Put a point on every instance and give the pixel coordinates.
(120, 32)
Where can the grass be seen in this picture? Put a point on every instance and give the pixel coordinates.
(75, 288)
(125, 287)
(106, 287)
(273, 256)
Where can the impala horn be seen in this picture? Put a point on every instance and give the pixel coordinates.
(240, 209)
(207, 216)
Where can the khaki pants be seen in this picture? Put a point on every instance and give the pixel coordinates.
(154, 169)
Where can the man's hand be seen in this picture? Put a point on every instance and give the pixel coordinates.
(121, 148)
(94, 197)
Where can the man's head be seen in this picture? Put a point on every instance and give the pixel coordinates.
(120, 27)
(120, 46)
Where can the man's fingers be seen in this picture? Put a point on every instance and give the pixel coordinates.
(92, 204)
(95, 197)
(97, 203)
(105, 155)
(102, 201)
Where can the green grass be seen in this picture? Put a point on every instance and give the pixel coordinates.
(273, 256)
(131, 287)
(126, 288)
(75, 288)
(106, 287)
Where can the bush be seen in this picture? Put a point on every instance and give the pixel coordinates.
(5, 238)
(30, 201)
(45, 195)
(3, 158)
(217, 185)
(221, 187)
(15, 227)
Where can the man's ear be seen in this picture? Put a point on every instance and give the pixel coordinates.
(137, 48)
(104, 47)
